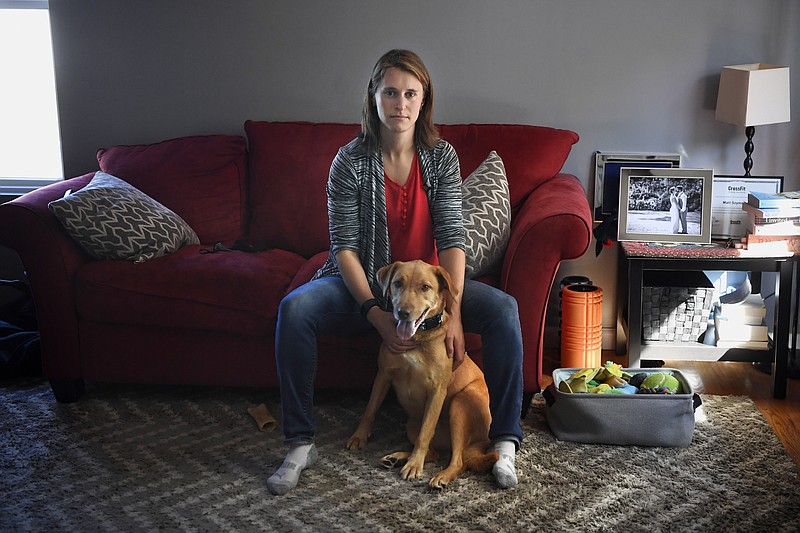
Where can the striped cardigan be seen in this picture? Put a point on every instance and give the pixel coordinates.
(357, 205)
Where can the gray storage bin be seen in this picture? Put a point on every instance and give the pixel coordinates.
(636, 419)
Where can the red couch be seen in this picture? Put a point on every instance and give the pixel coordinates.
(199, 318)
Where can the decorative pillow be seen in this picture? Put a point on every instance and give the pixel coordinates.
(487, 216)
(112, 219)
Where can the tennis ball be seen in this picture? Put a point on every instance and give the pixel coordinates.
(661, 380)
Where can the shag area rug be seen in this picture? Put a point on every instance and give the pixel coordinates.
(134, 458)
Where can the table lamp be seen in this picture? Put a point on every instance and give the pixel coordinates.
(752, 95)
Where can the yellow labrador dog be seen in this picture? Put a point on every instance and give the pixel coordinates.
(425, 383)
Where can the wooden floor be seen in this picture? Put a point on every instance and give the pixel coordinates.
(739, 379)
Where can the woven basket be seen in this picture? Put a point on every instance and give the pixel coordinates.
(675, 314)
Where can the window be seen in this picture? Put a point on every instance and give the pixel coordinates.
(30, 144)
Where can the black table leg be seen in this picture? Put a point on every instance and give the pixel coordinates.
(635, 286)
(783, 309)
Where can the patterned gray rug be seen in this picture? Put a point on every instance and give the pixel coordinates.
(128, 458)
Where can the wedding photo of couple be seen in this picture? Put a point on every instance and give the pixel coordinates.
(677, 209)
(664, 206)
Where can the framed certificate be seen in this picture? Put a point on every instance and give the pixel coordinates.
(728, 219)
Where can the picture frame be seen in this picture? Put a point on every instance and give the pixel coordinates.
(728, 219)
(607, 174)
(665, 205)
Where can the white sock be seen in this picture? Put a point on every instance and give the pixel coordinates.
(300, 457)
(504, 470)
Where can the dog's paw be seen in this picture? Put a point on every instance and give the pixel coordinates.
(440, 480)
(390, 462)
(437, 484)
(394, 460)
(412, 470)
(356, 442)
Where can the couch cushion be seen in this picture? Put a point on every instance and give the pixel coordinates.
(289, 166)
(112, 219)
(531, 154)
(487, 216)
(235, 292)
(201, 178)
(308, 270)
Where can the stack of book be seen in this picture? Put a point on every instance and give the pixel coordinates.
(741, 325)
(773, 221)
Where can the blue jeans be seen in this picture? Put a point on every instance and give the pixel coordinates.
(325, 306)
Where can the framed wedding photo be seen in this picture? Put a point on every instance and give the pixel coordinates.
(665, 205)
(728, 219)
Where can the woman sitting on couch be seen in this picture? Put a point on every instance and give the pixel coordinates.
(394, 194)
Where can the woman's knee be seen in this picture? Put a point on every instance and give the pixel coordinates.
(507, 304)
(503, 307)
(292, 305)
(494, 313)
(312, 299)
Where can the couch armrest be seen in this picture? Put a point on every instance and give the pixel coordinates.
(552, 224)
(51, 259)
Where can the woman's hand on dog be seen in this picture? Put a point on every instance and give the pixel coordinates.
(386, 325)
(454, 340)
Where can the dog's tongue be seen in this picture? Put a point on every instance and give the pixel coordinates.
(405, 329)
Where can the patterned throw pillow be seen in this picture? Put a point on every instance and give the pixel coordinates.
(112, 219)
(487, 216)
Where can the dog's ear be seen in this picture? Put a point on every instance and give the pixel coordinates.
(384, 276)
(445, 282)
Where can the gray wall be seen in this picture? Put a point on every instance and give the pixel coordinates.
(627, 75)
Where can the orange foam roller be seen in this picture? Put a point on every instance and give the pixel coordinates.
(581, 326)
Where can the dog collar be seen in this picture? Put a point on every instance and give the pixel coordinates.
(432, 322)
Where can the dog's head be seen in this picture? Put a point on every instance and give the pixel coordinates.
(416, 291)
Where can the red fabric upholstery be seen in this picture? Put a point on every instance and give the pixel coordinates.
(289, 166)
(201, 178)
(533, 255)
(231, 292)
(308, 270)
(210, 318)
(531, 154)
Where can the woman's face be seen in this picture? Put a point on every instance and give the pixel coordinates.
(399, 99)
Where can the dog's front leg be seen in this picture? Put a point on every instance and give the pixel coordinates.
(364, 430)
(416, 462)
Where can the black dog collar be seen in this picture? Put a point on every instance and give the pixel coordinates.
(432, 322)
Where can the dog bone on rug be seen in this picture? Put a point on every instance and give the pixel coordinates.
(263, 417)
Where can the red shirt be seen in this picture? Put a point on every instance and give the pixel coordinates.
(409, 219)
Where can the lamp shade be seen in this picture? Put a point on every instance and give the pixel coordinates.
(753, 94)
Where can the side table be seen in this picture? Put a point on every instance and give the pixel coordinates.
(641, 256)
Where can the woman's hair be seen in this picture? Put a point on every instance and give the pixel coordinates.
(425, 133)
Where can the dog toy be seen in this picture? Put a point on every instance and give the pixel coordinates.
(660, 383)
(601, 380)
(605, 233)
(262, 416)
(612, 379)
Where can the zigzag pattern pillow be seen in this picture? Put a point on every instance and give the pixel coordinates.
(112, 219)
(487, 216)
